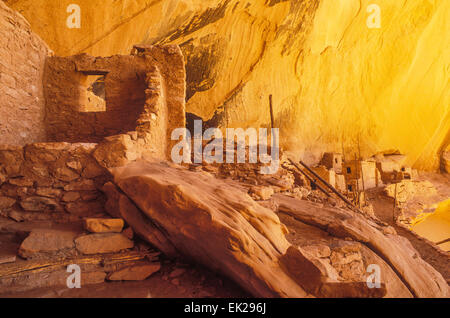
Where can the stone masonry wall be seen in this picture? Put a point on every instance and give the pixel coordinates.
(22, 59)
(58, 181)
(145, 96)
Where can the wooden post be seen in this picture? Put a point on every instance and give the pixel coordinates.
(271, 111)
(395, 203)
(362, 173)
(357, 182)
(329, 186)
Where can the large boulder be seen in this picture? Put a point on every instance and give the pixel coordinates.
(210, 222)
(215, 222)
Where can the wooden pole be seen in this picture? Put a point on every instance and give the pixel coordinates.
(343, 161)
(313, 181)
(362, 173)
(333, 189)
(442, 242)
(271, 111)
(395, 203)
(357, 182)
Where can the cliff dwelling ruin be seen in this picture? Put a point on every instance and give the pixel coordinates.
(88, 184)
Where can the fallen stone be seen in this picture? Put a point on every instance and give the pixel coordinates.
(47, 241)
(315, 276)
(95, 225)
(102, 243)
(136, 272)
(116, 151)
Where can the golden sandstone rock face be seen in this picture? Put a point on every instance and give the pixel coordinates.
(333, 78)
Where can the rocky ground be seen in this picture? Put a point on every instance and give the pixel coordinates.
(159, 276)
(383, 208)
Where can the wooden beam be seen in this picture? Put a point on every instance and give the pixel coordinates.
(272, 120)
(41, 265)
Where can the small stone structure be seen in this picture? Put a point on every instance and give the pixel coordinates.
(62, 180)
(144, 93)
(64, 120)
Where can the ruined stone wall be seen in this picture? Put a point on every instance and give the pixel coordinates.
(145, 93)
(22, 58)
(58, 181)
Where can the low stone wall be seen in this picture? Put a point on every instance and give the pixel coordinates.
(58, 181)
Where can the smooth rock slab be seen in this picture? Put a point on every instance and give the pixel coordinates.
(136, 272)
(95, 225)
(102, 243)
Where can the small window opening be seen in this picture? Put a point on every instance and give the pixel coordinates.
(93, 99)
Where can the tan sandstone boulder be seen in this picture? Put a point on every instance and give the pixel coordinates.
(207, 220)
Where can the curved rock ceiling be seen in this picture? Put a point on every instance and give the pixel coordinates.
(334, 81)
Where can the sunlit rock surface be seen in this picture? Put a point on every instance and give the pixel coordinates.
(333, 79)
